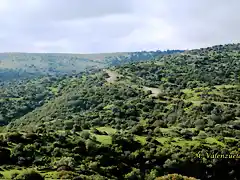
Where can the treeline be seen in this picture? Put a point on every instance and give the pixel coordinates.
(138, 57)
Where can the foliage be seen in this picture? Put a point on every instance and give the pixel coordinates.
(153, 118)
(29, 175)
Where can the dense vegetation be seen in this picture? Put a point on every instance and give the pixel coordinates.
(165, 118)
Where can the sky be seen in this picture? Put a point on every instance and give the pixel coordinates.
(95, 26)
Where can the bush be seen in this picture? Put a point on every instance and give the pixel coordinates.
(95, 131)
(67, 175)
(65, 162)
(138, 130)
(31, 137)
(15, 138)
(14, 175)
(175, 177)
(29, 175)
(85, 134)
(1, 175)
(4, 155)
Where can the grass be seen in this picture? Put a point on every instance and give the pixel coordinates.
(47, 175)
(187, 91)
(191, 94)
(160, 63)
(61, 131)
(16, 99)
(165, 130)
(8, 173)
(108, 130)
(169, 106)
(227, 86)
(141, 139)
(84, 78)
(54, 90)
(107, 139)
(164, 79)
(217, 92)
(2, 129)
(231, 138)
(194, 97)
(177, 141)
(104, 139)
(51, 175)
(196, 103)
(191, 129)
(211, 140)
(143, 122)
(162, 139)
(108, 106)
(12, 99)
(186, 143)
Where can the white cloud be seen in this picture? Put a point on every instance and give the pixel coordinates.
(104, 26)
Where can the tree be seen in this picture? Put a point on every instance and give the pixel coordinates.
(90, 145)
(85, 134)
(175, 177)
(138, 130)
(152, 175)
(68, 124)
(134, 174)
(202, 135)
(67, 162)
(187, 134)
(200, 124)
(4, 155)
(76, 128)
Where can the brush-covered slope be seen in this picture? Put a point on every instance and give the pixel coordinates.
(195, 79)
(25, 65)
(135, 121)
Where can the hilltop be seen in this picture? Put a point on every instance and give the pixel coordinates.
(25, 65)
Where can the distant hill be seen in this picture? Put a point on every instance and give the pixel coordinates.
(15, 65)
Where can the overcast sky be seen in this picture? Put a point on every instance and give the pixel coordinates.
(87, 26)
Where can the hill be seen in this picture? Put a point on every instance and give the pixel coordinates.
(177, 113)
(25, 65)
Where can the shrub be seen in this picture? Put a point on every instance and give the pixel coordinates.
(1, 175)
(67, 162)
(4, 155)
(85, 134)
(29, 175)
(175, 177)
(15, 138)
(14, 175)
(67, 175)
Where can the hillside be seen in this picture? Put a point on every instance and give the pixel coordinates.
(136, 120)
(28, 65)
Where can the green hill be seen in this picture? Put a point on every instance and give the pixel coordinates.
(176, 113)
(25, 65)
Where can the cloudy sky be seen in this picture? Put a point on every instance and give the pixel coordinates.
(87, 26)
